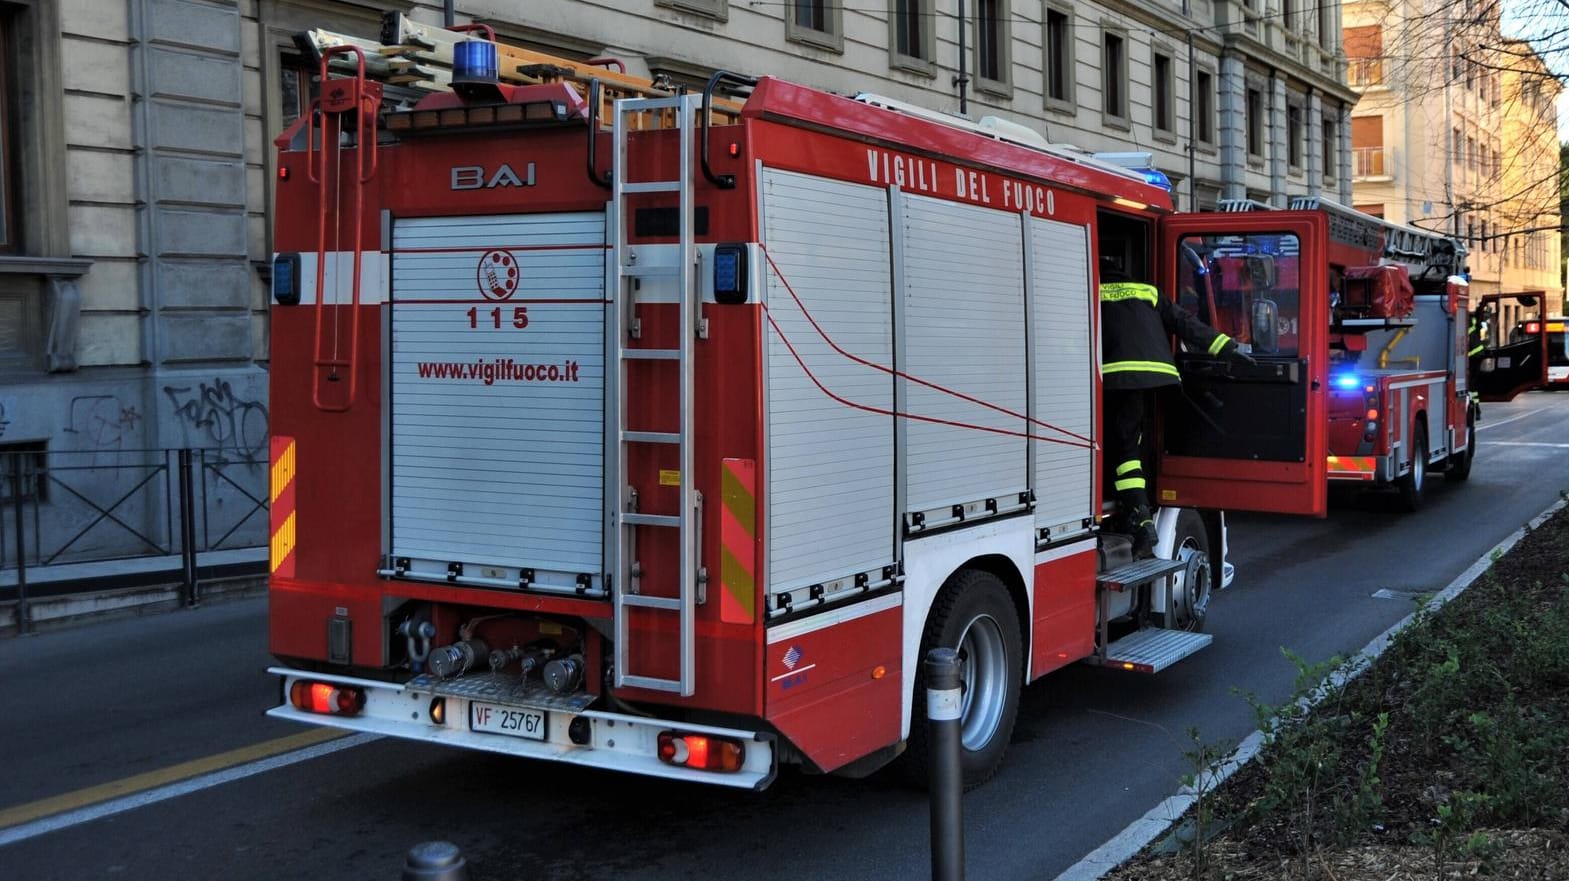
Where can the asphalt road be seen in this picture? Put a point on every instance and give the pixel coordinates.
(1094, 749)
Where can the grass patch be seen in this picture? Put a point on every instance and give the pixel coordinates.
(1447, 758)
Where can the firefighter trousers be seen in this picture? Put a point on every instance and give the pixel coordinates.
(1125, 409)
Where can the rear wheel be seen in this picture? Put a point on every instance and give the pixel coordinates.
(1460, 463)
(1414, 482)
(973, 614)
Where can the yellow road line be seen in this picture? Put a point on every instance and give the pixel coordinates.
(163, 776)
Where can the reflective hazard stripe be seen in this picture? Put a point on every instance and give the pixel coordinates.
(738, 541)
(281, 513)
(1130, 465)
(1141, 367)
(1220, 343)
(1130, 483)
(1117, 291)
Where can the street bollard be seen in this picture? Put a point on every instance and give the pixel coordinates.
(435, 861)
(944, 698)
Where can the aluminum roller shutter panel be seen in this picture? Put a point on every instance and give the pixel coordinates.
(963, 290)
(508, 472)
(830, 464)
(1065, 359)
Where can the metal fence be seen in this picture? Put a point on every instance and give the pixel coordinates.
(59, 508)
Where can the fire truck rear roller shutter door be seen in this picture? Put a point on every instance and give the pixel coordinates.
(1064, 384)
(830, 462)
(963, 290)
(509, 470)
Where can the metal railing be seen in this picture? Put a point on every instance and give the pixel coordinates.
(1364, 72)
(1367, 162)
(79, 507)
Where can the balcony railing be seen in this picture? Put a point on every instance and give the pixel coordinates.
(1367, 162)
(1365, 71)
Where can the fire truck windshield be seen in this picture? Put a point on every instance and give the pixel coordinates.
(1245, 286)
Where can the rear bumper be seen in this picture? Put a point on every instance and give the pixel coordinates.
(617, 741)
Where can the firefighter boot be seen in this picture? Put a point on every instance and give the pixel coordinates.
(1144, 538)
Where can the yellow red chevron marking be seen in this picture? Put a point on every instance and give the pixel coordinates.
(738, 542)
(282, 513)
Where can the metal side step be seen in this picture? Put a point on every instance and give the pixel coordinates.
(1151, 650)
(1137, 573)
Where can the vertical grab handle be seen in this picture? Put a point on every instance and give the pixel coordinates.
(340, 95)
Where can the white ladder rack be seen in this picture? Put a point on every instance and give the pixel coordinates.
(626, 519)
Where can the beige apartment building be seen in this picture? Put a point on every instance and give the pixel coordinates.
(1456, 130)
(135, 232)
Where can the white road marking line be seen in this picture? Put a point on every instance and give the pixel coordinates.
(1486, 425)
(175, 790)
(1158, 820)
(1524, 444)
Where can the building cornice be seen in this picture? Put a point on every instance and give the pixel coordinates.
(1254, 51)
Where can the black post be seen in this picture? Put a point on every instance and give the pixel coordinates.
(187, 530)
(24, 615)
(963, 79)
(944, 698)
(435, 861)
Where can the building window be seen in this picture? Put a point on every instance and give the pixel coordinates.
(1331, 148)
(1165, 94)
(1114, 75)
(1294, 136)
(1204, 106)
(712, 8)
(8, 212)
(1456, 147)
(1470, 154)
(815, 23)
(1255, 111)
(1367, 147)
(1365, 53)
(991, 45)
(911, 21)
(1326, 24)
(1058, 42)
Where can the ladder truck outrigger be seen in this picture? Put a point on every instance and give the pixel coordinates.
(665, 432)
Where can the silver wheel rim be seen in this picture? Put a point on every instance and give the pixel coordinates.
(1418, 467)
(985, 655)
(1192, 605)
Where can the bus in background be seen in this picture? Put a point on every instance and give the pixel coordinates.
(1557, 351)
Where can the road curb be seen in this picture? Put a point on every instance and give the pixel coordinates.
(89, 607)
(1159, 820)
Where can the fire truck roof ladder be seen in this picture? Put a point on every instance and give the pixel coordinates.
(628, 272)
(353, 100)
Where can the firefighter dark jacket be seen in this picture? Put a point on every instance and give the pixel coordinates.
(1137, 325)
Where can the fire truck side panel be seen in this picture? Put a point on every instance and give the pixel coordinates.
(498, 378)
(834, 680)
(1063, 626)
(830, 428)
(1066, 349)
(960, 313)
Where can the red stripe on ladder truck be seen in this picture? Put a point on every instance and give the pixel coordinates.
(282, 507)
(738, 542)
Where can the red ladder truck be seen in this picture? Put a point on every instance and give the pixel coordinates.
(666, 432)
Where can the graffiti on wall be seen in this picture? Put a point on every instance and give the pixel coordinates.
(234, 426)
(103, 420)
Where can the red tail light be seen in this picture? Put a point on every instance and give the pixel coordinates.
(326, 698)
(701, 752)
(1533, 327)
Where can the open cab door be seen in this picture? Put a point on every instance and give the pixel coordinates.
(1512, 359)
(1249, 438)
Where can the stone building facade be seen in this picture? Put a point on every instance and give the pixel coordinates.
(137, 143)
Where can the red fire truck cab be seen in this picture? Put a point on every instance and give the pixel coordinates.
(666, 432)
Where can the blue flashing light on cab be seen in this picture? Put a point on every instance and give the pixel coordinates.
(1346, 381)
(474, 61)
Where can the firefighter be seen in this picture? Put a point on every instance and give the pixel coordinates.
(1137, 326)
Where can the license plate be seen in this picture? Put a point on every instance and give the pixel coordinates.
(493, 719)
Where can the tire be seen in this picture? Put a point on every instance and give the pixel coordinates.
(1414, 483)
(1192, 607)
(1460, 465)
(973, 613)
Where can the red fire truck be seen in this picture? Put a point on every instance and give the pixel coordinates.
(1400, 400)
(665, 432)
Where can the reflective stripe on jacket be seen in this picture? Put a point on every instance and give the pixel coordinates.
(1137, 325)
